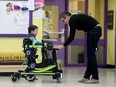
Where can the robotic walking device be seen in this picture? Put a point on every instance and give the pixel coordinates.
(48, 66)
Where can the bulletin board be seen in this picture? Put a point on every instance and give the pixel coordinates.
(14, 17)
(13, 55)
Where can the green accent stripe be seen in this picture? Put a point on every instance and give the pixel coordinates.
(44, 69)
(33, 46)
(37, 73)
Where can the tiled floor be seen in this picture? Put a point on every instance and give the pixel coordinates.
(70, 79)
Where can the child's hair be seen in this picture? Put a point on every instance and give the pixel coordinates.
(32, 28)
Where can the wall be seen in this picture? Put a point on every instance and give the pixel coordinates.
(111, 36)
(51, 22)
(11, 44)
(14, 44)
(61, 6)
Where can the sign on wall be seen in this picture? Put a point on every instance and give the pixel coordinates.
(110, 19)
(14, 17)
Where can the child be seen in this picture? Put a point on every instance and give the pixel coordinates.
(31, 52)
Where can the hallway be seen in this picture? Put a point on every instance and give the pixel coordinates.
(70, 79)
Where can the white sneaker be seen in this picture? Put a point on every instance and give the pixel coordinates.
(92, 81)
(83, 80)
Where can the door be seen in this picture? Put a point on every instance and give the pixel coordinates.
(76, 50)
(98, 10)
(76, 54)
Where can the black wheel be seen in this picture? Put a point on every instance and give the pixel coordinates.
(58, 77)
(18, 75)
(14, 78)
(31, 78)
(61, 76)
(58, 80)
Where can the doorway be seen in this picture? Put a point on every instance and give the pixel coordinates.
(76, 51)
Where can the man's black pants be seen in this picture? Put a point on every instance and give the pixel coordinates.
(93, 37)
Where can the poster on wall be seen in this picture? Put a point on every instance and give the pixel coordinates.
(39, 9)
(110, 19)
(14, 17)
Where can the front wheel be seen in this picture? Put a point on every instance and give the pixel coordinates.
(14, 78)
(58, 80)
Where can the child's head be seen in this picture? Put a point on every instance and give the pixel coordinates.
(33, 30)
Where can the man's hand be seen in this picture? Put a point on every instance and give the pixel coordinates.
(58, 46)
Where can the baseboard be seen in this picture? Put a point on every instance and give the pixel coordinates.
(6, 73)
(108, 66)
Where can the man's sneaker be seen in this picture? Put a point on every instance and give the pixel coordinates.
(92, 81)
(83, 80)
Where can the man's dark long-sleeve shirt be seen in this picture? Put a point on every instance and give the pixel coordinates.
(80, 22)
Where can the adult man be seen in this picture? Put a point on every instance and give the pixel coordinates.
(90, 25)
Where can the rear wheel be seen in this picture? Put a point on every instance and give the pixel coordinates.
(58, 77)
(31, 78)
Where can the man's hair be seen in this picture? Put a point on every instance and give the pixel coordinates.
(32, 28)
(64, 14)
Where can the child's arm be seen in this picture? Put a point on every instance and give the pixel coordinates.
(36, 42)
